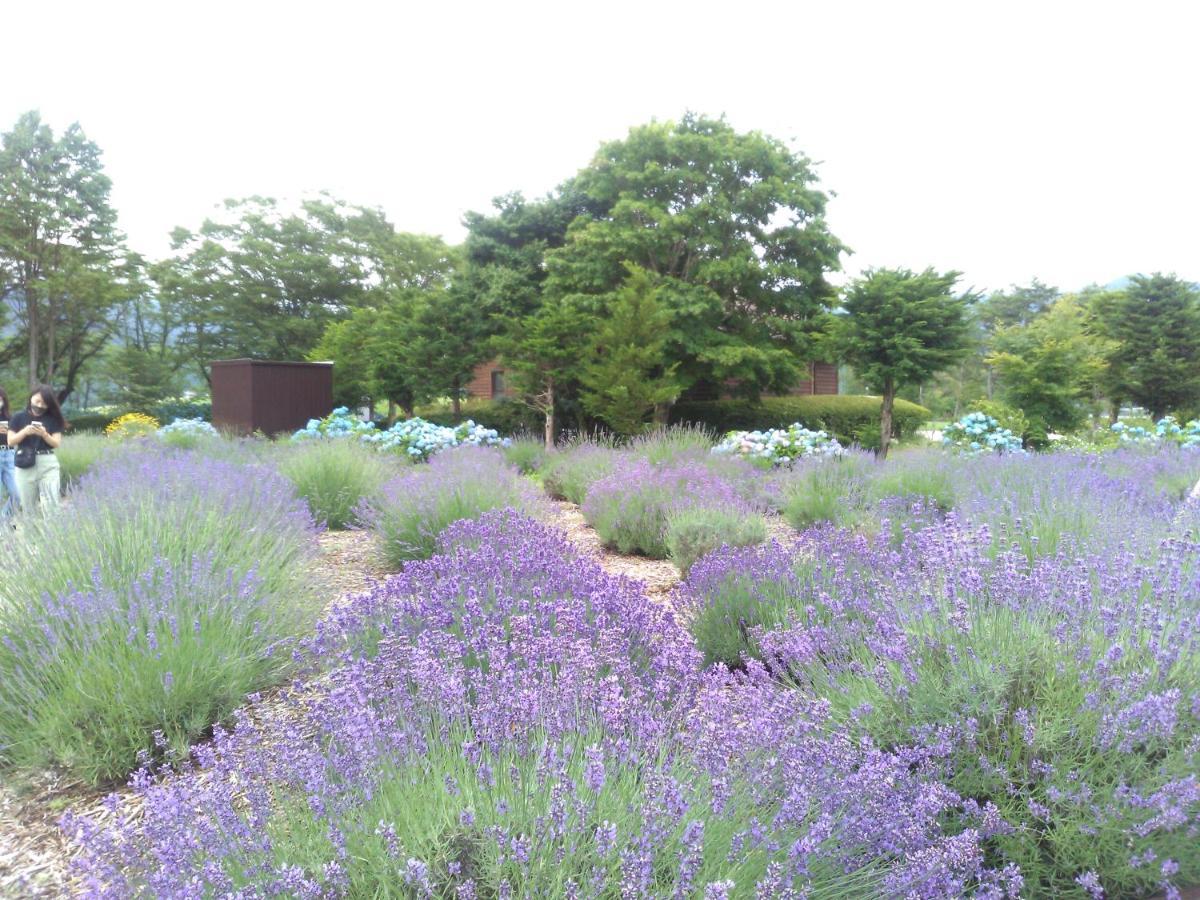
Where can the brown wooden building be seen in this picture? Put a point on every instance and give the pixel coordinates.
(256, 395)
(488, 383)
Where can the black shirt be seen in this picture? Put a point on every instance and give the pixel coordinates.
(52, 422)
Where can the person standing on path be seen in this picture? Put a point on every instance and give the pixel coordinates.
(8, 480)
(37, 431)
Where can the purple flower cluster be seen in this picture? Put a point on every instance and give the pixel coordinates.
(460, 483)
(505, 719)
(1062, 689)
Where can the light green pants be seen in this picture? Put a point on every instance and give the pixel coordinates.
(38, 486)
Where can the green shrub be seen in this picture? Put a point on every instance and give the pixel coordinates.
(78, 453)
(334, 476)
(843, 416)
(571, 470)
(526, 453)
(89, 422)
(506, 416)
(691, 533)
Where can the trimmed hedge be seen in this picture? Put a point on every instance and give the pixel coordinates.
(164, 412)
(88, 422)
(848, 418)
(506, 416)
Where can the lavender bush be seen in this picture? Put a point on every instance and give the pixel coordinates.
(161, 660)
(571, 471)
(153, 606)
(334, 477)
(507, 720)
(1061, 690)
(631, 507)
(692, 533)
(411, 510)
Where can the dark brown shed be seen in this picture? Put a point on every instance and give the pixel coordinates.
(272, 397)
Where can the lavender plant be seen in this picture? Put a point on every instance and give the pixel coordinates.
(526, 453)
(571, 471)
(631, 507)
(334, 477)
(94, 678)
(153, 607)
(411, 510)
(1060, 690)
(78, 454)
(507, 720)
(692, 533)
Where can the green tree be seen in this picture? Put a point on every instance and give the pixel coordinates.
(733, 231)
(1049, 366)
(1016, 307)
(625, 378)
(59, 250)
(346, 345)
(263, 282)
(901, 328)
(1154, 327)
(543, 354)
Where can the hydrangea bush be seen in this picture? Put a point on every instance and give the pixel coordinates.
(978, 432)
(414, 438)
(187, 433)
(779, 446)
(1169, 429)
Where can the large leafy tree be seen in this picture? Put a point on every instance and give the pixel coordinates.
(901, 327)
(415, 337)
(1154, 327)
(60, 271)
(264, 282)
(1050, 366)
(732, 229)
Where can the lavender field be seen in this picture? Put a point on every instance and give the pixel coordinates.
(938, 676)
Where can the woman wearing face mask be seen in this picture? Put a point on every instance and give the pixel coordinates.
(7, 479)
(40, 428)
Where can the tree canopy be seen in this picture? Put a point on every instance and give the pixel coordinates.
(901, 327)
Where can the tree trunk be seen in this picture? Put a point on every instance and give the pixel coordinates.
(31, 305)
(988, 369)
(391, 412)
(885, 420)
(662, 414)
(550, 415)
(455, 401)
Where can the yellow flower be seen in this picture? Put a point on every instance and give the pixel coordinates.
(132, 424)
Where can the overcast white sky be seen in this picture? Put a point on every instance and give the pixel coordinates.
(1007, 140)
